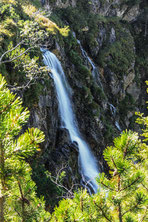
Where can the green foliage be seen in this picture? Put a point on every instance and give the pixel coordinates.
(109, 131)
(144, 122)
(98, 93)
(64, 1)
(18, 199)
(23, 29)
(119, 55)
(123, 197)
(43, 181)
(83, 71)
(80, 20)
(130, 2)
(127, 104)
(141, 38)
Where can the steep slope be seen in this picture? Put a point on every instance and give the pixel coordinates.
(104, 57)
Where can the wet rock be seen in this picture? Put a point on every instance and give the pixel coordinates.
(96, 122)
(112, 35)
(63, 137)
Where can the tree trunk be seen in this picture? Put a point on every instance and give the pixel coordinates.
(2, 183)
(119, 205)
(22, 200)
(120, 215)
(1, 208)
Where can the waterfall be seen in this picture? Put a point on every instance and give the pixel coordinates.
(114, 111)
(87, 162)
(118, 126)
(95, 71)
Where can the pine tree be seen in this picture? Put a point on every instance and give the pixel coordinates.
(123, 196)
(18, 200)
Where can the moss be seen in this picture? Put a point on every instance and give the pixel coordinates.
(36, 3)
(42, 179)
(127, 104)
(87, 94)
(139, 32)
(98, 93)
(130, 3)
(95, 109)
(102, 2)
(71, 45)
(13, 18)
(75, 58)
(52, 1)
(84, 72)
(132, 121)
(119, 55)
(31, 95)
(64, 1)
(56, 18)
(109, 132)
(91, 107)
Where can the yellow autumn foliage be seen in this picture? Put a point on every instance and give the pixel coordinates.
(9, 1)
(43, 21)
(6, 26)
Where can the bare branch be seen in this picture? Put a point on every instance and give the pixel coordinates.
(10, 50)
(62, 186)
(11, 60)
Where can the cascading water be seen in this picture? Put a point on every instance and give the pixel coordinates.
(87, 162)
(118, 126)
(114, 111)
(95, 71)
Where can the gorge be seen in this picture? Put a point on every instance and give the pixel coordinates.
(87, 162)
(80, 68)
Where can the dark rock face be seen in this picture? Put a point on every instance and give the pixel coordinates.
(113, 48)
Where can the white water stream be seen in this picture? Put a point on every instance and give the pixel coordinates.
(95, 71)
(114, 111)
(87, 162)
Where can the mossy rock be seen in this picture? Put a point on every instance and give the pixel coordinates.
(119, 56)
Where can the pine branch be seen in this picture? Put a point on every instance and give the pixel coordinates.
(120, 214)
(23, 199)
(17, 212)
(132, 208)
(114, 162)
(126, 148)
(130, 184)
(8, 106)
(21, 192)
(144, 186)
(103, 213)
(144, 215)
(107, 186)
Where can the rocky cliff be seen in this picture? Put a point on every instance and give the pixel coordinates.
(105, 60)
(112, 40)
